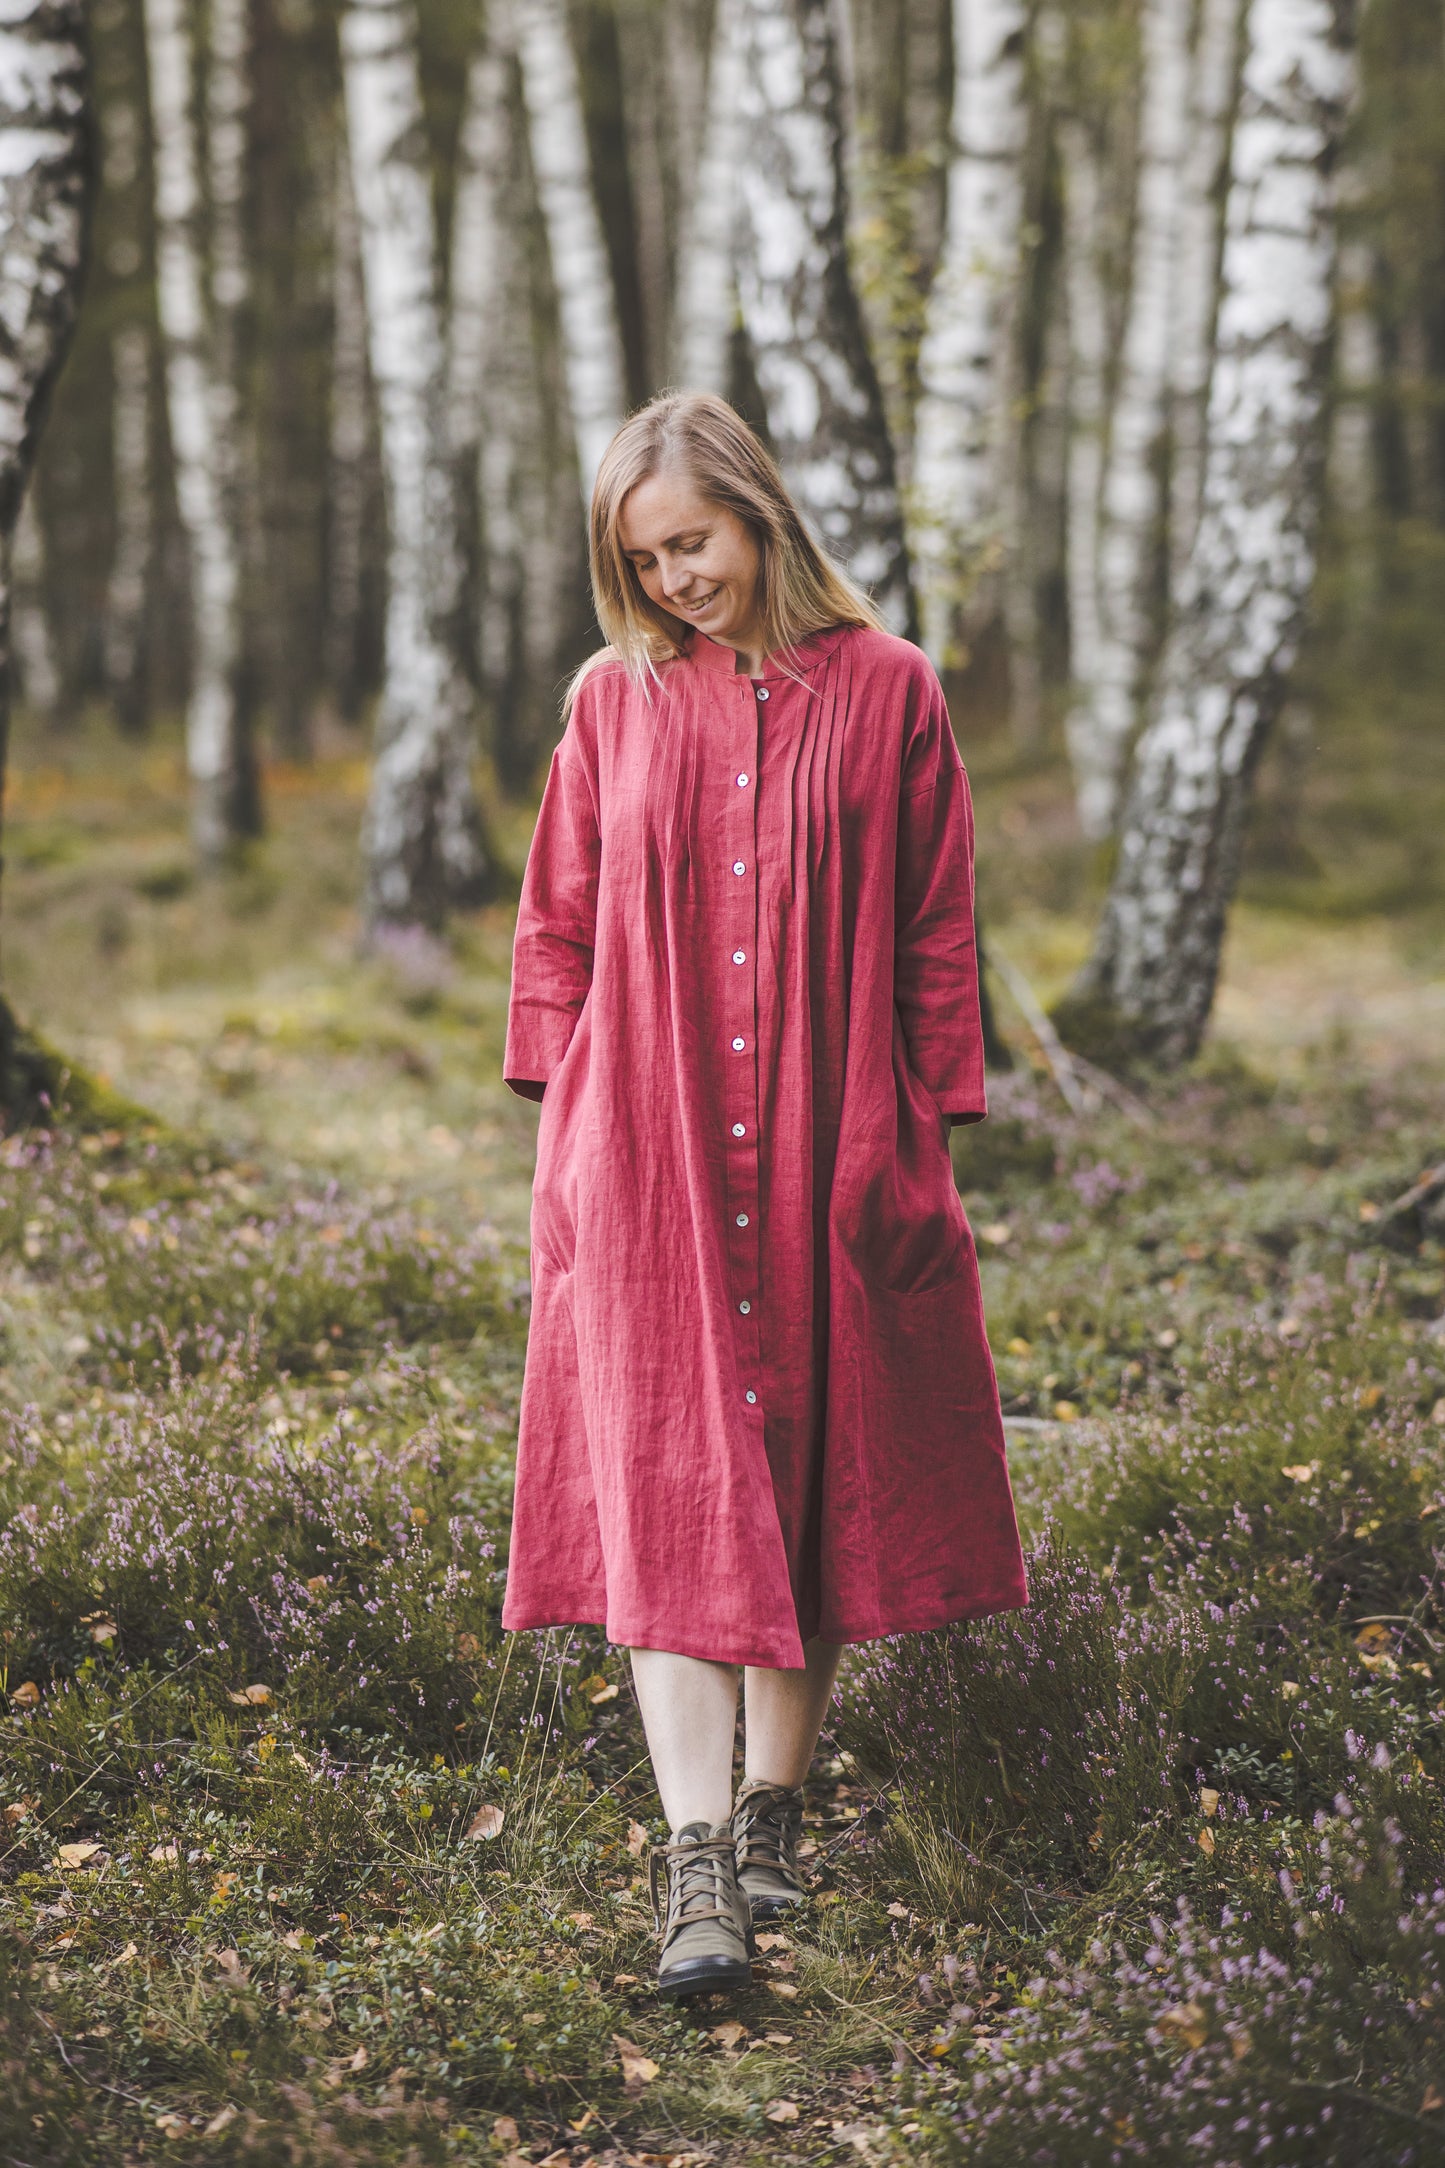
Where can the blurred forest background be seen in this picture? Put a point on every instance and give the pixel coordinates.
(1106, 340)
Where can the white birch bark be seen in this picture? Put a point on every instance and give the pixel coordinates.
(707, 303)
(348, 444)
(1216, 57)
(587, 307)
(1226, 665)
(422, 839)
(201, 405)
(1105, 706)
(965, 439)
(128, 588)
(45, 179)
(32, 646)
(1088, 418)
(824, 406)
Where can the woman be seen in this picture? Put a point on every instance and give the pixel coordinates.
(759, 1417)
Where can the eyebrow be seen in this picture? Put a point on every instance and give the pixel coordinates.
(672, 540)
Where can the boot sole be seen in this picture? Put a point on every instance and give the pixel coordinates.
(774, 1908)
(704, 1976)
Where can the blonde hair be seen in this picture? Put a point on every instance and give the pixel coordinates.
(800, 591)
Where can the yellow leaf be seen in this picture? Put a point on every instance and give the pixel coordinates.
(1208, 1800)
(636, 1839)
(1019, 1346)
(1303, 1471)
(773, 1942)
(486, 1822)
(171, 2125)
(359, 2060)
(728, 2036)
(782, 2111)
(1289, 1688)
(26, 1695)
(1373, 1636)
(1433, 2099)
(784, 1989)
(607, 1693)
(76, 1855)
(637, 2069)
(1187, 2021)
(221, 2120)
(1065, 1411)
(1205, 1841)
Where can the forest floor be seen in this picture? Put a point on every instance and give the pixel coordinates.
(303, 1860)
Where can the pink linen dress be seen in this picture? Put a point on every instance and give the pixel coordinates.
(758, 1403)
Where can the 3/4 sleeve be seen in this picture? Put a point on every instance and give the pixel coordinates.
(556, 921)
(935, 962)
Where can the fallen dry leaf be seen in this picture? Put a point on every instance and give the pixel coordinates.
(1187, 2021)
(230, 1964)
(773, 1942)
(1206, 1842)
(1302, 1471)
(468, 1646)
(76, 1855)
(582, 1920)
(486, 1822)
(637, 2069)
(17, 1811)
(250, 1697)
(26, 1695)
(783, 1988)
(171, 2125)
(898, 1911)
(728, 2036)
(165, 1855)
(128, 1955)
(636, 1839)
(1433, 2099)
(359, 2060)
(1289, 1688)
(1208, 1800)
(606, 1693)
(778, 2040)
(781, 2111)
(221, 2120)
(1373, 1636)
(997, 1232)
(505, 2131)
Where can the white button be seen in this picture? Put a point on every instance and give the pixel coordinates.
(762, 692)
(739, 1130)
(739, 956)
(742, 1219)
(738, 1045)
(738, 866)
(745, 1307)
(742, 782)
(752, 1397)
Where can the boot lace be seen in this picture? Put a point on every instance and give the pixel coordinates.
(699, 1874)
(767, 1825)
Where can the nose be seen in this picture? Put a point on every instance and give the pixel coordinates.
(676, 578)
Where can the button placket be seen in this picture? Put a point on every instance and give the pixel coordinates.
(738, 962)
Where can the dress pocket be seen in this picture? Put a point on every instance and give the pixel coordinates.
(561, 1155)
(897, 1208)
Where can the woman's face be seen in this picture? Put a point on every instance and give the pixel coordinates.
(693, 558)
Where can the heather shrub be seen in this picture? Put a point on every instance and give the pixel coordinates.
(1206, 2043)
(1038, 1744)
(335, 1573)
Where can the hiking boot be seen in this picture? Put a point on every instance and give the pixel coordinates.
(767, 1823)
(707, 1936)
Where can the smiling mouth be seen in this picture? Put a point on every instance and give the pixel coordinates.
(695, 609)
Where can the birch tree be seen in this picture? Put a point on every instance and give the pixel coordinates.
(707, 267)
(1150, 983)
(423, 839)
(202, 405)
(587, 307)
(45, 190)
(824, 406)
(965, 444)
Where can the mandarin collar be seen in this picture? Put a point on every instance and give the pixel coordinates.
(720, 661)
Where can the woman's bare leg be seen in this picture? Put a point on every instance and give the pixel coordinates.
(689, 1713)
(784, 1713)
